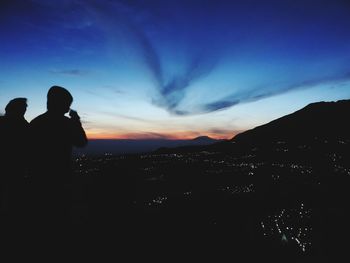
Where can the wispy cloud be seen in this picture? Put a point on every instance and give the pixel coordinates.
(104, 92)
(147, 136)
(174, 91)
(250, 95)
(122, 18)
(99, 94)
(71, 72)
(220, 131)
(127, 117)
(114, 89)
(171, 88)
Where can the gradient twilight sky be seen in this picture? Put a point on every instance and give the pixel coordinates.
(175, 68)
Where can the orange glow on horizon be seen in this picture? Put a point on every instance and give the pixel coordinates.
(182, 135)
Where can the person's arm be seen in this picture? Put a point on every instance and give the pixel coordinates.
(79, 136)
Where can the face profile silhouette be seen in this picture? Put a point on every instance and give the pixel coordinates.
(16, 108)
(59, 100)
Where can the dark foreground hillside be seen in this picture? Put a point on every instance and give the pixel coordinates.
(285, 202)
(280, 201)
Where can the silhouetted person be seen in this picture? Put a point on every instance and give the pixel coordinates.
(13, 156)
(53, 136)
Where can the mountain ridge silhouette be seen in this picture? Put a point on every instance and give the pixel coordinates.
(318, 120)
(136, 146)
(325, 120)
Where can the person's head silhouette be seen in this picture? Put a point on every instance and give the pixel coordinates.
(58, 100)
(16, 108)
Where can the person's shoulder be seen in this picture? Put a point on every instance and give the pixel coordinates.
(2, 120)
(38, 119)
(25, 123)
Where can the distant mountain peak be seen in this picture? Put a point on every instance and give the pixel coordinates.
(203, 138)
(319, 121)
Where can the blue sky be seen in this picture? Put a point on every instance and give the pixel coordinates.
(178, 69)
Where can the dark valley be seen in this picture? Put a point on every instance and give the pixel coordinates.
(279, 190)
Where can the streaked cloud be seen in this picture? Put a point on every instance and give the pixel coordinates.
(175, 68)
(71, 72)
(251, 95)
(146, 135)
(127, 117)
(171, 87)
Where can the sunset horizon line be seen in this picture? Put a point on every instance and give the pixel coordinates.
(157, 137)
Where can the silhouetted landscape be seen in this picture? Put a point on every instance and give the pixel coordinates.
(175, 130)
(277, 191)
(127, 146)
